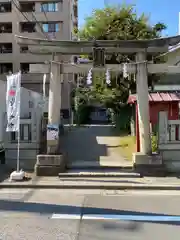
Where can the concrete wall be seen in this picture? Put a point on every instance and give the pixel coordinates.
(169, 142)
(2, 108)
(30, 103)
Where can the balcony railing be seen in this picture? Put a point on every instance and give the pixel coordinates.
(27, 78)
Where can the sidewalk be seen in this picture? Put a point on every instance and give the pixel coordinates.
(146, 183)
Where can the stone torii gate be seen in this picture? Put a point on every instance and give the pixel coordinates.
(101, 48)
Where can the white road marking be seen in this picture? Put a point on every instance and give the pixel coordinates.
(137, 193)
(66, 216)
(151, 218)
(13, 192)
(121, 217)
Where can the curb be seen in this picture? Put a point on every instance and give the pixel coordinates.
(89, 187)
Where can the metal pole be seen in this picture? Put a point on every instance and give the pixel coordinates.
(61, 85)
(18, 147)
(69, 107)
(72, 117)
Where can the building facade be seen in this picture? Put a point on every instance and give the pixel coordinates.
(168, 81)
(36, 19)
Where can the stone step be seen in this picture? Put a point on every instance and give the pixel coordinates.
(99, 164)
(76, 182)
(95, 174)
(96, 169)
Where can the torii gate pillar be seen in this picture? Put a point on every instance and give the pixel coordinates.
(54, 107)
(52, 163)
(143, 110)
(143, 103)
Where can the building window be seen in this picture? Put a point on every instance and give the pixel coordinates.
(5, 47)
(5, 27)
(27, 27)
(24, 49)
(25, 134)
(49, 7)
(27, 6)
(25, 67)
(50, 27)
(5, 7)
(6, 68)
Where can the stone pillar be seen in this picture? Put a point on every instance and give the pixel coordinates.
(54, 94)
(53, 162)
(54, 107)
(143, 159)
(143, 104)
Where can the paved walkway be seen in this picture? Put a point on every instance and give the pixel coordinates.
(118, 183)
(93, 145)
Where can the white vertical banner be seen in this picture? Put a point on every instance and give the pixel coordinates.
(13, 102)
(44, 87)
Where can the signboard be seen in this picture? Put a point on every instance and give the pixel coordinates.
(52, 132)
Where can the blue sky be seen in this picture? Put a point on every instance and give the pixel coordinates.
(166, 11)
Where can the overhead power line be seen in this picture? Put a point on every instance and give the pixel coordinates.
(24, 15)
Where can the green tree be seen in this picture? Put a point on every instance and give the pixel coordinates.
(120, 23)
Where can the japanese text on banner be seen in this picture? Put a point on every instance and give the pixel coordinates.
(13, 102)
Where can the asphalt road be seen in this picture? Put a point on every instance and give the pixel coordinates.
(89, 215)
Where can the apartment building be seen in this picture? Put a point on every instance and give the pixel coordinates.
(38, 19)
